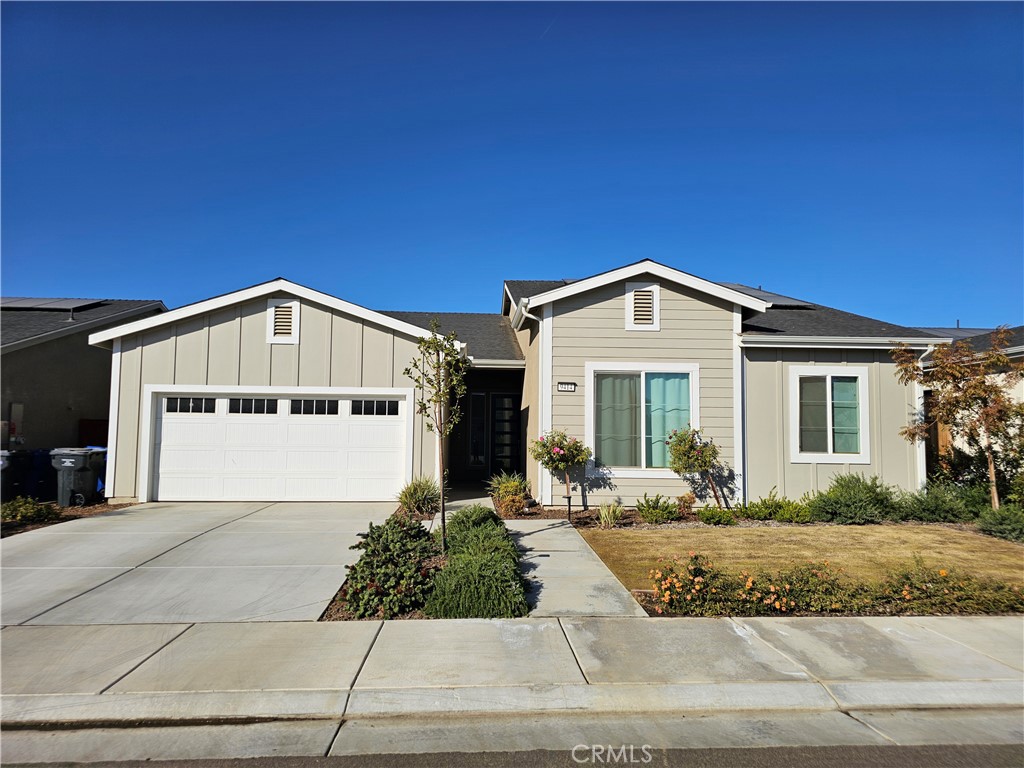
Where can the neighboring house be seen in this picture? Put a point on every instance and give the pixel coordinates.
(280, 392)
(56, 387)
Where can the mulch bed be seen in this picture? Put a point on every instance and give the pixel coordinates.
(66, 513)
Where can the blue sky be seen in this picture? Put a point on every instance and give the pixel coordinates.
(868, 156)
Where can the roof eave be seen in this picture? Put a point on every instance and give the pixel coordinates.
(828, 342)
(80, 326)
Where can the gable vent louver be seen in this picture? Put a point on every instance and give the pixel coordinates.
(643, 307)
(283, 320)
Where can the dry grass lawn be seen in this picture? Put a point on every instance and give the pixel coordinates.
(866, 553)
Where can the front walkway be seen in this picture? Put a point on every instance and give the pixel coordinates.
(564, 576)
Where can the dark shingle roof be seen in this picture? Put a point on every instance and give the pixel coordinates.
(487, 336)
(983, 341)
(957, 333)
(23, 325)
(519, 289)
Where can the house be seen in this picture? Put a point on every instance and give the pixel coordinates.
(56, 387)
(281, 392)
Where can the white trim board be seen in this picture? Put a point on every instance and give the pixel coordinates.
(739, 421)
(792, 423)
(648, 267)
(545, 392)
(279, 285)
(115, 405)
(151, 392)
(654, 366)
(828, 342)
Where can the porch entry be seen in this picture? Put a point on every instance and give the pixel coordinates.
(488, 438)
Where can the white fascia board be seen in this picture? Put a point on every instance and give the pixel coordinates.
(78, 326)
(651, 268)
(115, 409)
(255, 292)
(838, 342)
(486, 363)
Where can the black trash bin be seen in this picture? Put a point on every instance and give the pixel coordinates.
(77, 472)
(14, 475)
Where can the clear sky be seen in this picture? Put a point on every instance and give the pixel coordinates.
(868, 156)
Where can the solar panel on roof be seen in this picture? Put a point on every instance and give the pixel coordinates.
(58, 304)
(72, 304)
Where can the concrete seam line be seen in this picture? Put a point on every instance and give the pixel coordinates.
(573, 652)
(355, 678)
(135, 567)
(954, 640)
(337, 732)
(147, 658)
(789, 658)
(884, 735)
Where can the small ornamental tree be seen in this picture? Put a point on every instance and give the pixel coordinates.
(971, 394)
(690, 453)
(439, 374)
(557, 452)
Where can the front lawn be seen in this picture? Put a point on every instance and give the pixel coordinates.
(866, 554)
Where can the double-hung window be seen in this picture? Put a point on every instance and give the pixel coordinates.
(829, 414)
(632, 409)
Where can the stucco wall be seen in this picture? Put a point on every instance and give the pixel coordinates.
(229, 347)
(768, 429)
(695, 328)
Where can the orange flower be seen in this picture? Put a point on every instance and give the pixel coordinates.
(942, 572)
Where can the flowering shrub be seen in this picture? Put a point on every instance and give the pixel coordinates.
(557, 452)
(919, 589)
(690, 453)
(693, 588)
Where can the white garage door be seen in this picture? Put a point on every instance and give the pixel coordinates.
(265, 448)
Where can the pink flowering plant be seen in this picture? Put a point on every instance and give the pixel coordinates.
(557, 452)
(690, 453)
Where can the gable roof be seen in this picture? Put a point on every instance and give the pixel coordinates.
(646, 267)
(958, 333)
(277, 285)
(26, 322)
(982, 342)
(487, 336)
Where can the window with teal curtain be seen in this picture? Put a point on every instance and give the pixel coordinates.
(617, 419)
(667, 407)
(845, 415)
(813, 414)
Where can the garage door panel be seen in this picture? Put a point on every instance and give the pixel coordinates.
(284, 456)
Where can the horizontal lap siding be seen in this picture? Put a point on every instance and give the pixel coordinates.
(229, 347)
(695, 328)
(768, 423)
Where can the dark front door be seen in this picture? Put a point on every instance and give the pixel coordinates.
(505, 433)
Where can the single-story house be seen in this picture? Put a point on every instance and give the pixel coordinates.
(281, 392)
(56, 387)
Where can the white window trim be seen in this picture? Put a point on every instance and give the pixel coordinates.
(589, 414)
(863, 407)
(655, 289)
(151, 394)
(273, 304)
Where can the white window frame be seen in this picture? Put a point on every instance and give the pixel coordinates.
(592, 369)
(655, 289)
(272, 304)
(796, 372)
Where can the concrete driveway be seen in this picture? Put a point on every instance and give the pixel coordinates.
(164, 563)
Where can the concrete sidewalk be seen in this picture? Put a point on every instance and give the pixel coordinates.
(861, 680)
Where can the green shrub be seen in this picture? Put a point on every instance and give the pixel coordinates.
(394, 574)
(781, 509)
(716, 516)
(1007, 522)
(918, 589)
(1015, 493)
(509, 493)
(854, 500)
(609, 515)
(28, 511)
(656, 510)
(421, 497)
(935, 503)
(473, 517)
(478, 586)
(483, 541)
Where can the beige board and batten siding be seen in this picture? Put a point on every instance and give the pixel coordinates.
(229, 347)
(768, 423)
(695, 328)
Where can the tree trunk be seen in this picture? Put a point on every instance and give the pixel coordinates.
(439, 421)
(992, 474)
(714, 490)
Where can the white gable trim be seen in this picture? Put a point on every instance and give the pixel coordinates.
(256, 292)
(648, 267)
